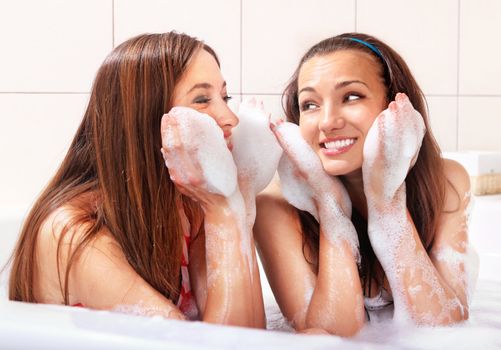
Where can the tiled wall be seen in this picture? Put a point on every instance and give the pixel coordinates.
(51, 50)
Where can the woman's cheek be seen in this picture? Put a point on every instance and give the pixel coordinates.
(307, 128)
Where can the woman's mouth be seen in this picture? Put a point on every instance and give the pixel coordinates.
(228, 143)
(337, 146)
(227, 138)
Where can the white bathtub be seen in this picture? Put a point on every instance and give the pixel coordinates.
(27, 326)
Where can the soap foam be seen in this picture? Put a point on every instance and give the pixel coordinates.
(392, 145)
(142, 309)
(256, 153)
(255, 149)
(295, 189)
(204, 141)
(306, 185)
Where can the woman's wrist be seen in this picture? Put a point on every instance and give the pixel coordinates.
(386, 204)
(223, 208)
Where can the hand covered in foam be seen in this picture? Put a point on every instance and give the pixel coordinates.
(391, 148)
(304, 182)
(196, 154)
(255, 149)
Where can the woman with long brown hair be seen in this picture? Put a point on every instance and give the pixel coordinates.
(115, 229)
(377, 226)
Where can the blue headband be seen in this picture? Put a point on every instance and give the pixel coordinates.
(370, 46)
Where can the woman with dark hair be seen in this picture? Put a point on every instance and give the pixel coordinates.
(378, 221)
(115, 229)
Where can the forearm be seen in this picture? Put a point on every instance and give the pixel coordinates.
(337, 301)
(420, 293)
(233, 285)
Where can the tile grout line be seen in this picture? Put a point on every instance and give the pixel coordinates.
(426, 95)
(457, 73)
(44, 92)
(356, 15)
(241, 48)
(112, 24)
(235, 93)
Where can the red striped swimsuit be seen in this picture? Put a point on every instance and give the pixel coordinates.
(186, 301)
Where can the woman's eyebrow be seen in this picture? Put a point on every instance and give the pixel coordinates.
(344, 83)
(306, 89)
(201, 86)
(338, 85)
(204, 86)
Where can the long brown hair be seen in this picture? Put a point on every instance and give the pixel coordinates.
(115, 155)
(425, 183)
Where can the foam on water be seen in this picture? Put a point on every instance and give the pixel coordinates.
(142, 309)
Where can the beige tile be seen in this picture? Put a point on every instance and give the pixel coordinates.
(53, 45)
(217, 22)
(277, 33)
(36, 131)
(443, 119)
(480, 123)
(480, 52)
(423, 32)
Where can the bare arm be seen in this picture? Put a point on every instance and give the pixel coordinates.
(328, 301)
(233, 286)
(336, 303)
(452, 255)
(100, 278)
(423, 292)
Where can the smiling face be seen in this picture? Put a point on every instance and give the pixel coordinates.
(203, 88)
(339, 96)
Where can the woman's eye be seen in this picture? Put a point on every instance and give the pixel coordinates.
(227, 98)
(201, 100)
(308, 106)
(352, 97)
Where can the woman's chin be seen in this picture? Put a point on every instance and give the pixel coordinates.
(338, 168)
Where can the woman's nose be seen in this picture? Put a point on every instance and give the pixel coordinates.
(331, 120)
(225, 117)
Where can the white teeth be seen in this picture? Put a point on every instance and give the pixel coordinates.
(339, 143)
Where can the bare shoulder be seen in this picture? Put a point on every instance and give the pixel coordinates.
(458, 185)
(68, 226)
(69, 221)
(58, 225)
(60, 235)
(456, 174)
(99, 273)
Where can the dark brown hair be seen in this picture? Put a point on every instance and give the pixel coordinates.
(115, 156)
(425, 183)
